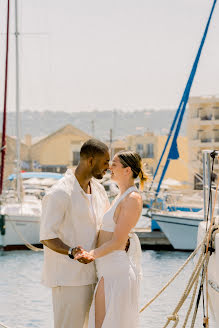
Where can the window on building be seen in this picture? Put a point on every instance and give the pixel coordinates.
(76, 157)
(140, 149)
(150, 150)
(216, 135)
(216, 112)
(205, 116)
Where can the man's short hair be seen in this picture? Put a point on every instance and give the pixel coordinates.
(92, 148)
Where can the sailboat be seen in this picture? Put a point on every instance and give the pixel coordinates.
(180, 227)
(20, 214)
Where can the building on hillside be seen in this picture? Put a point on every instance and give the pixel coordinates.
(118, 145)
(59, 150)
(203, 133)
(150, 147)
(10, 158)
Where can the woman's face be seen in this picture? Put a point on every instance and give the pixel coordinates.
(116, 168)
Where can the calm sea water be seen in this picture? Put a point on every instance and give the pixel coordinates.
(24, 302)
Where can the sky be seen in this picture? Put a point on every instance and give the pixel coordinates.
(109, 54)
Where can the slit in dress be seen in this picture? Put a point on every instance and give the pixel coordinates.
(102, 302)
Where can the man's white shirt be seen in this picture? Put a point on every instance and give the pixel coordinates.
(67, 214)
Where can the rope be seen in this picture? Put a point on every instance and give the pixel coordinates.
(26, 243)
(203, 261)
(174, 276)
(2, 325)
(208, 240)
(192, 280)
(199, 295)
(191, 304)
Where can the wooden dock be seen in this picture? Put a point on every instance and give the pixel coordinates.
(153, 239)
(149, 240)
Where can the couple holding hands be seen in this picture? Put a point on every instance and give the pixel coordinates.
(92, 260)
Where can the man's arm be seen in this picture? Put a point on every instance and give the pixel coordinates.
(53, 210)
(58, 246)
(54, 205)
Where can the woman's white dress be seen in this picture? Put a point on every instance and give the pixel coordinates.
(121, 271)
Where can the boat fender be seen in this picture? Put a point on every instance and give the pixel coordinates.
(2, 225)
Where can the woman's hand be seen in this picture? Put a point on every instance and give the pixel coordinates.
(84, 257)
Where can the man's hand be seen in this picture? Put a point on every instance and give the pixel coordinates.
(76, 250)
(127, 245)
(83, 256)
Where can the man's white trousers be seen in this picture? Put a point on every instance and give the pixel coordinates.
(71, 305)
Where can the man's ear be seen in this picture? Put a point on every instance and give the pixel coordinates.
(90, 161)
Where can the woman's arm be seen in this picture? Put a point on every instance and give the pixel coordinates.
(128, 217)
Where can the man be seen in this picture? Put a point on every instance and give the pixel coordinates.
(72, 211)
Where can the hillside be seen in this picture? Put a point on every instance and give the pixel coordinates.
(38, 123)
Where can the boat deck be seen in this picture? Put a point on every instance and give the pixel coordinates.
(153, 239)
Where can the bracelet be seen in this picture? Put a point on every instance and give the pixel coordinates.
(70, 252)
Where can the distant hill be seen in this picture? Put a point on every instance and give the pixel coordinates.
(38, 123)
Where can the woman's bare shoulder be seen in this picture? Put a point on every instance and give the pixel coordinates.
(134, 196)
(132, 199)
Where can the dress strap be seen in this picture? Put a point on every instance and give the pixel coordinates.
(128, 191)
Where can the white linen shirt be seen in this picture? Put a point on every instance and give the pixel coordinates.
(66, 214)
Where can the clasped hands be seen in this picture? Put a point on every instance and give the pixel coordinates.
(85, 257)
(82, 256)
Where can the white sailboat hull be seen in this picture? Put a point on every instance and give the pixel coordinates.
(213, 274)
(180, 229)
(19, 229)
(22, 222)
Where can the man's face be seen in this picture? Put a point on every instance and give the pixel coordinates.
(101, 165)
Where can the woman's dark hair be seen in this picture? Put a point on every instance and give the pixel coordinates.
(133, 160)
(92, 148)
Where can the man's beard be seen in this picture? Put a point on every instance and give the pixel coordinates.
(97, 174)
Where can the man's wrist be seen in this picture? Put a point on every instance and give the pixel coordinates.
(70, 253)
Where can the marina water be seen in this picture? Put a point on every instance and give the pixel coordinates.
(24, 302)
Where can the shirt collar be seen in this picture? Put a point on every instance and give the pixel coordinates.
(70, 173)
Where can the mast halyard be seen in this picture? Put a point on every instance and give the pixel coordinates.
(3, 148)
(18, 157)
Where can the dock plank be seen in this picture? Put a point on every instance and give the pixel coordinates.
(153, 239)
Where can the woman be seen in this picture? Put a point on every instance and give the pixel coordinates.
(115, 301)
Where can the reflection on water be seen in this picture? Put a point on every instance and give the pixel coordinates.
(24, 302)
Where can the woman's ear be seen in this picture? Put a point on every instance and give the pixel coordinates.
(128, 170)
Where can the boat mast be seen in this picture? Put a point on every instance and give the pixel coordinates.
(3, 147)
(18, 160)
(173, 152)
